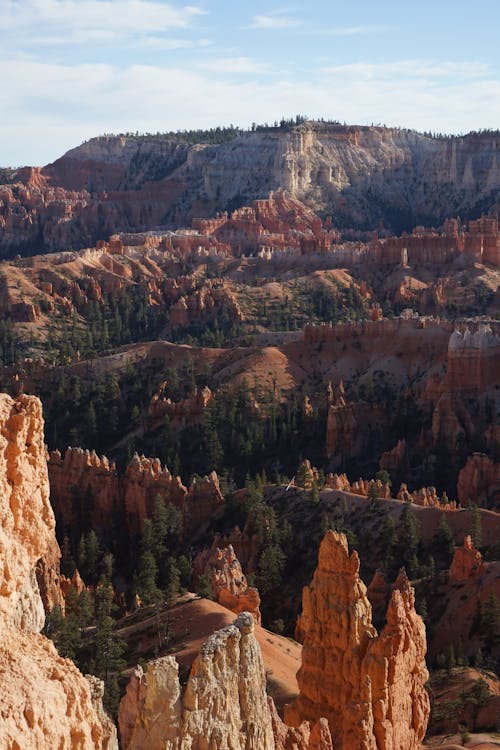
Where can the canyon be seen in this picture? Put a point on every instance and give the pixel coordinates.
(127, 183)
(247, 351)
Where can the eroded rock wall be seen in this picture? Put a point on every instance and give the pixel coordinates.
(45, 701)
(87, 486)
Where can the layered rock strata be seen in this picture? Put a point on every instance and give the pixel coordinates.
(133, 183)
(45, 701)
(369, 687)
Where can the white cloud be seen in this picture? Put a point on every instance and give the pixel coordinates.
(88, 19)
(276, 21)
(49, 108)
(409, 69)
(233, 65)
(357, 30)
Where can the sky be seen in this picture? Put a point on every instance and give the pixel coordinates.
(74, 69)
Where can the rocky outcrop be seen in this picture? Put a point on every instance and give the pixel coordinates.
(342, 428)
(369, 687)
(479, 480)
(377, 593)
(204, 304)
(473, 359)
(27, 526)
(467, 562)
(46, 702)
(223, 705)
(307, 476)
(180, 413)
(51, 583)
(227, 580)
(86, 485)
(427, 497)
(395, 460)
(135, 183)
(302, 737)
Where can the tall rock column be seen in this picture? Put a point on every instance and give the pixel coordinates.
(45, 701)
(369, 687)
(395, 664)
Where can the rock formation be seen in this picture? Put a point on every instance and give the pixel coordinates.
(396, 459)
(302, 737)
(46, 702)
(307, 476)
(479, 480)
(227, 580)
(377, 593)
(473, 359)
(427, 497)
(342, 426)
(83, 482)
(467, 562)
(136, 184)
(223, 705)
(369, 687)
(180, 413)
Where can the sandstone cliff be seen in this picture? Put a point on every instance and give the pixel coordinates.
(129, 183)
(369, 687)
(46, 702)
(479, 481)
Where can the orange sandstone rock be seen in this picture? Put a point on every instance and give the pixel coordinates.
(84, 480)
(467, 562)
(227, 580)
(45, 701)
(224, 704)
(369, 687)
(479, 479)
(302, 737)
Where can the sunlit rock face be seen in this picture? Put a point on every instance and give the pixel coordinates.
(46, 702)
(369, 687)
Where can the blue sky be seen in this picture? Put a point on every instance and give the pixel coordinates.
(73, 69)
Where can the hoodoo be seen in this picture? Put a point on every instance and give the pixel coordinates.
(369, 687)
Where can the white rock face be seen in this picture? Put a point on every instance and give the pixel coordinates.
(224, 704)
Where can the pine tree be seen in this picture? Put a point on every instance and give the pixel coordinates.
(145, 579)
(89, 557)
(68, 565)
(476, 532)
(108, 662)
(442, 545)
(171, 579)
(409, 539)
(478, 696)
(270, 568)
(315, 493)
(490, 623)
